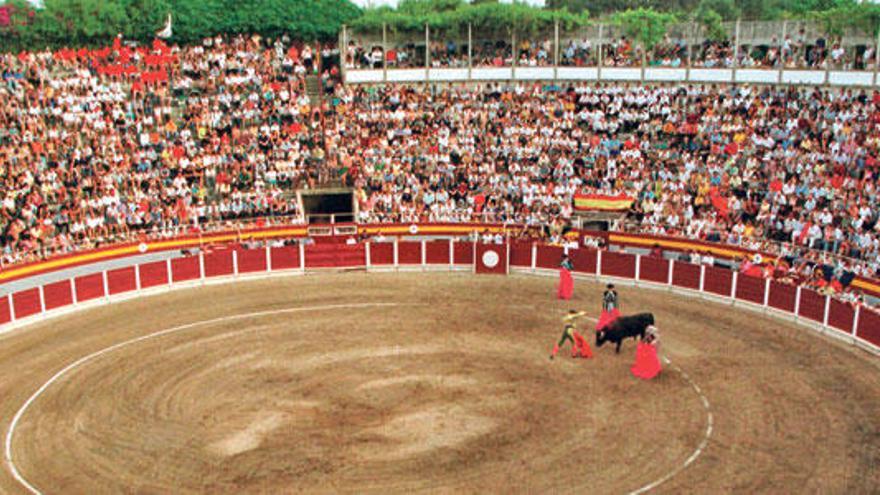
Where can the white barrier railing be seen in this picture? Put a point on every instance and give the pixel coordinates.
(617, 74)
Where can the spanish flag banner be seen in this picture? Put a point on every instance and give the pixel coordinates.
(602, 202)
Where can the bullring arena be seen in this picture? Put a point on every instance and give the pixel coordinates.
(426, 381)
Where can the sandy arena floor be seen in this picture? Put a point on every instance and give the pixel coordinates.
(429, 382)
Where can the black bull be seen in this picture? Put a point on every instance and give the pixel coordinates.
(623, 327)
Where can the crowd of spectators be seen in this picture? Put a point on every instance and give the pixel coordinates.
(92, 152)
(790, 52)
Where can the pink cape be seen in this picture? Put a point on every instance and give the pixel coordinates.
(647, 363)
(606, 318)
(566, 285)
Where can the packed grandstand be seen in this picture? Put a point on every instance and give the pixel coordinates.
(111, 144)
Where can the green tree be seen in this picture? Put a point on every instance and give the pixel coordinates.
(646, 26)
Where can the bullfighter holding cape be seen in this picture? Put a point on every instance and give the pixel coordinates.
(579, 346)
(566, 283)
(610, 307)
(647, 363)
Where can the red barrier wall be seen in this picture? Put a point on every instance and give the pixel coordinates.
(521, 254)
(618, 264)
(57, 294)
(750, 289)
(718, 281)
(812, 305)
(381, 253)
(654, 269)
(26, 302)
(549, 257)
(153, 274)
(464, 253)
(5, 317)
(186, 268)
(840, 316)
(869, 326)
(218, 263)
(409, 253)
(686, 275)
(437, 252)
(251, 260)
(121, 280)
(285, 258)
(89, 287)
(782, 296)
(584, 260)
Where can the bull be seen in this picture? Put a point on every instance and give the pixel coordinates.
(623, 327)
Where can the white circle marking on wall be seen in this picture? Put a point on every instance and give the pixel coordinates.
(490, 259)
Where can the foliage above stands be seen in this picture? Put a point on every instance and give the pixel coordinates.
(488, 18)
(647, 27)
(97, 22)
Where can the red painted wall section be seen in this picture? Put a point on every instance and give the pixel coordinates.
(26, 302)
(686, 275)
(57, 294)
(381, 253)
(218, 263)
(782, 296)
(549, 257)
(437, 252)
(409, 253)
(653, 269)
(464, 253)
(121, 280)
(5, 317)
(618, 264)
(186, 268)
(717, 281)
(750, 289)
(153, 274)
(320, 255)
(251, 260)
(840, 316)
(583, 260)
(285, 258)
(521, 254)
(812, 305)
(869, 326)
(89, 287)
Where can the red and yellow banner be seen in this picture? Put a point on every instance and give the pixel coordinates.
(602, 202)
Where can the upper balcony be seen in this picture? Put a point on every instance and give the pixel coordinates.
(777, 52)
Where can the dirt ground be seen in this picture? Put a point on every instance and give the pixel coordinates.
(445, 387)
